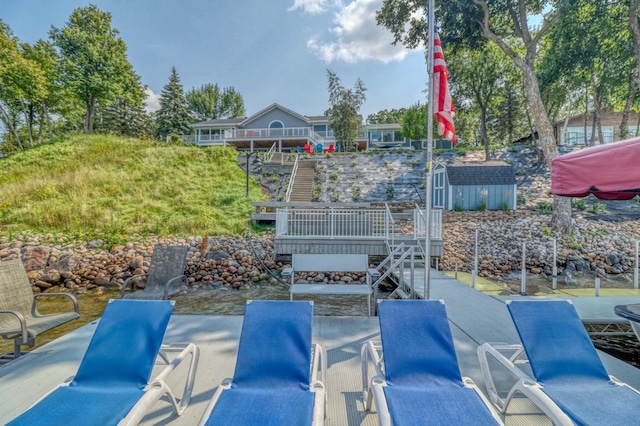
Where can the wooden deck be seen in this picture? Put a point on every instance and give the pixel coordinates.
(474, 317)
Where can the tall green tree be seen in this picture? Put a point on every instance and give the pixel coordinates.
(477, 73)
(94, 64)
(506, 24)
(208, 102)
(343, 110)
(173, 115)
(22, 84)
(414, 122)
(126, 116)
(386, 116)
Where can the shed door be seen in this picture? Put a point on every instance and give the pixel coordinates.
(438, 189)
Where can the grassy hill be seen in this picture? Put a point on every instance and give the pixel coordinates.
(114, 187)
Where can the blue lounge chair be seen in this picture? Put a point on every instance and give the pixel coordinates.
(418, 381)
(112, 383)
(300, 150)
(569, 384)
(272, 383)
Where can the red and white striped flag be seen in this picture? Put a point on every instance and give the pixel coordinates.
(443, 108)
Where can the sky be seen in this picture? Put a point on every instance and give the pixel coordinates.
(271, 51)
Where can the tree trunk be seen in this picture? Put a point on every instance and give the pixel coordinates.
(561, 219)
(49, 124)
(12, 128)
(635, 31)
(88, 121)
(624, 123)
(483, 131)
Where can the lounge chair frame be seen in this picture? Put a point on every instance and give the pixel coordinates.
(512, 357)
(156, 387)
(318, 373)
(22, 322)
(371, 354)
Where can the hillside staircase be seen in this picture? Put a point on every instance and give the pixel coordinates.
(303, 181)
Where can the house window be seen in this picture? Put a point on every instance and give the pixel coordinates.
(634, 131)
(276, 128)
(575, 135)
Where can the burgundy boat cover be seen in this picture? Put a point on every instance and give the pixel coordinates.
(610, 172)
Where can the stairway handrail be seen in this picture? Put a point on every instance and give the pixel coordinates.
(389, 221)
(293, 176)
(269, 154)
(391, 268)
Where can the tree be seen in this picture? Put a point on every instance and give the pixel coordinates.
(126, 116)
(505, 24)
(22, 83)
(343, 110)
(173, 115)
(414, 122)
(208, 102)
(94, 64)
(478, 73)
(386, 117)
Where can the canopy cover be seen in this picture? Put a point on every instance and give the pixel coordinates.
(610, 172)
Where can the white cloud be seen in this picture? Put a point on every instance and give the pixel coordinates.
(310, 6)
(152, 103)
(357, 37)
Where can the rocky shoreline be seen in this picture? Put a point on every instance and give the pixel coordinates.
(597, 247)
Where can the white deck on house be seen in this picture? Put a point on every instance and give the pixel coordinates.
(474, 317)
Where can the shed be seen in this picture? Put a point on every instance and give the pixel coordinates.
(474, 186)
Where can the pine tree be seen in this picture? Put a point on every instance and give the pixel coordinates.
(173, 115)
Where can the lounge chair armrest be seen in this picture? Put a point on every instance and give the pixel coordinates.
(531, 389)
(23, 325)
(159, 387)
(319, 364)
(70, 296)
(128, 281)
(226, 384)
(469, 383)
(495, 350)
(319, 402)
(377, 385)
(171, 281)
(369, 353)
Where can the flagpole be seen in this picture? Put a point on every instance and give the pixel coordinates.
(427, 210)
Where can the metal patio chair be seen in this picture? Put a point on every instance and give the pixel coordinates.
(19, 316)
(166, 274)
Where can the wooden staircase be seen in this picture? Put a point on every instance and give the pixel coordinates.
(303, 181)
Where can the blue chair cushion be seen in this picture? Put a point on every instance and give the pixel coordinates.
(269, 330)
(604, 404)
(263, 407)
(444, 405)
(417, 344)
(556, 343)
(73, 406)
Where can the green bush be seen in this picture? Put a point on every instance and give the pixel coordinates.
(544, 207)
(390, 192)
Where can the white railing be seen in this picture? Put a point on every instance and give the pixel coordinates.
(287, 197)
(332, 223)
(419, 223)
(269, 154)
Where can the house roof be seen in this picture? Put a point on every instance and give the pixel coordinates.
(481, 174)
(220, 122)
(271, 108)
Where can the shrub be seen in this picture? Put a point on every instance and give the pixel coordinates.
(334, 176)
(544, 207)
(390, 192)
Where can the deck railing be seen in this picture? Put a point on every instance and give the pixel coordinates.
(264, 133)
(419, 223)
(332, 223)
(287, 196)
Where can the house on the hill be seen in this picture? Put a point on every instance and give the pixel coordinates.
(577, 130)
(288, 131)
(474, 186)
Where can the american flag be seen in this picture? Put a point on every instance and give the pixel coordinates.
(443, 106)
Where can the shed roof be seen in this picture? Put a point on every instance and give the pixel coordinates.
(481, 175)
